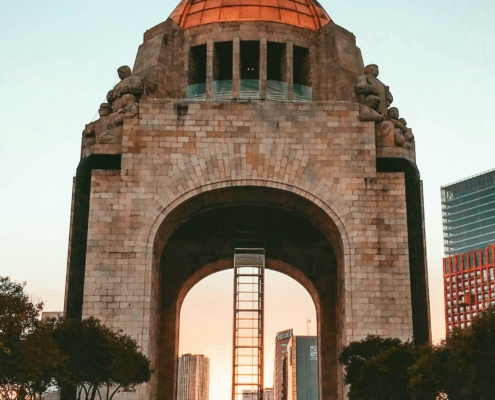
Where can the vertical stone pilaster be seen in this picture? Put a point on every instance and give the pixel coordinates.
(313, 73)
(263, 66)
(209, 67)
(290, 69)
(236, 68)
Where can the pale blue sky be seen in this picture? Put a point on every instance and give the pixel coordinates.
(58, 59)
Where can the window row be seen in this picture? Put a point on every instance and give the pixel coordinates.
(469, 260)
(282, 67)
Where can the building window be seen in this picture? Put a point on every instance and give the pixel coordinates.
(197, 66)
(250, 60)
(485, 275)
(491, 274)
(447, 279)
(223, 61)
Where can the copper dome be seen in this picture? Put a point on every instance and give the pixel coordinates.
(308, 14)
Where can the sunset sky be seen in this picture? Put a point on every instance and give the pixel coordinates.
(59, 58)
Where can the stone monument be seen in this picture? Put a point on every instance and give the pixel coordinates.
(256, 113)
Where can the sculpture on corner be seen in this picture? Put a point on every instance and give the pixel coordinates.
(122, 103)
(375, 99)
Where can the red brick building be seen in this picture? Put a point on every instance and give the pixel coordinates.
(469, 286)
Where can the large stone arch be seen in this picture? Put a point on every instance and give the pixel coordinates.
(195, 238)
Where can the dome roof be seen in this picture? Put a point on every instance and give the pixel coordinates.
(307, 14)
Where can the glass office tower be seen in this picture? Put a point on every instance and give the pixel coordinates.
(469, 213)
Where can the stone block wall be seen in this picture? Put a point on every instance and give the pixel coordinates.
(319, 151)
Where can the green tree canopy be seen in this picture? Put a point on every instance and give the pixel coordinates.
(377, 368)
(100, 362)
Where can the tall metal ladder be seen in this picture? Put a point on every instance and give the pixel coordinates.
(248, 337)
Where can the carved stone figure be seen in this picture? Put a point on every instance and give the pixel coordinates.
(122, 104)
(369, 112)
(403, 135)
(89, 135)
(369, 84)
(105, 110)
(129, 84)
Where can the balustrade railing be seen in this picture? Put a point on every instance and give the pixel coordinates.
(249, 89)
(222, 90)
(197, 92)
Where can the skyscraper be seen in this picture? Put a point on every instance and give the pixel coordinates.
(302, 368)
(194, 377)
(469, 234)
(469, 213)
(281, 341)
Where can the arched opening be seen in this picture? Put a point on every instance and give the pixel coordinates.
(206, 324)
(198, 239)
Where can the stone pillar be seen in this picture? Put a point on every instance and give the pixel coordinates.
(289, 45)
(263, 67)
(209, 67)
(236, 68)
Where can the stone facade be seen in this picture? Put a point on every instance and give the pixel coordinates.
(179, 162)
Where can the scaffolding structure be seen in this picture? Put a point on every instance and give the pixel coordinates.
(247, 360)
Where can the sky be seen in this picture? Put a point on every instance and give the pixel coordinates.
(58, 59)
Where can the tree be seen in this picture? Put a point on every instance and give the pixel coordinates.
(463, 365)
(42, 360)
(99, 361)
(377, 368)
(18, 319)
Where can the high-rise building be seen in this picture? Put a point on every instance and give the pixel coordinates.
(469, 234)
(268, 394)
(469, 213)
(302, 368)
(194, 377)
(281, 341)
(469, 286)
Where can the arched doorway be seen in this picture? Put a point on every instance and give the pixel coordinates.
(206, 324)
(198, 238)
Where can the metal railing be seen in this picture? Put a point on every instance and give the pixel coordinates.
(302, 94)
(197, 92)
(277, 91)
(222, 90)
(249, 89)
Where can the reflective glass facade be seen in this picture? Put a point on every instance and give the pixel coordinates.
(469, 213)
